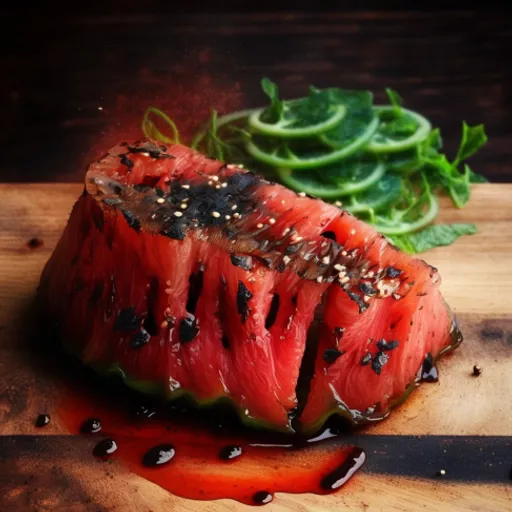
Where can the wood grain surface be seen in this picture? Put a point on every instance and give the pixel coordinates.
(51, 470)
(73, 79)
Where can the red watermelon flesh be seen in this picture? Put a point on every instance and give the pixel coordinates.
(191, 277)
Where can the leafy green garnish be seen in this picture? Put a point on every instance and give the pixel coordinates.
(396, 100)
(473, 138)
(385, 162)
(275, 110)
(432, 236)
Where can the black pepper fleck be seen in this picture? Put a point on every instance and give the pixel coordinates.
(332, 354)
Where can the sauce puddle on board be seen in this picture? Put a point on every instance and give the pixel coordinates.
(207, 454)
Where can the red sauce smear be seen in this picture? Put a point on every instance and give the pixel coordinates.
(202, 455)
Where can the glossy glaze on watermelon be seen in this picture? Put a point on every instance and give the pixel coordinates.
(191, 277)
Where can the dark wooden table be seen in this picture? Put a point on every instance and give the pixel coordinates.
(73, 82)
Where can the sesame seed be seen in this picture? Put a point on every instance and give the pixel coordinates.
(183, 206)
(342, 274)
(144, 153)
(301, 194)
(286, 231)
(442, 472)
(215, 178)
(345, 280)
(210, 183)
(286, 259)
(228, 217)
(366, 298)
(236, 215)
(259, 225)
(224, 185)
(216, 214)
(178, 214)
(352, 231)
(153, 216)
(339, 267)
(100, 108)
(338, 203)
(271, 220)
(160, 200)
(326, 260)
(240, 166)
(344, 253)
(217, 187)
(264, 202)
(297, 238)
(164, 324)
(234, 207)
(371, 274)
(319, 279)
(186, 187)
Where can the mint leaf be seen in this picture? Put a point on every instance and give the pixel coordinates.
(355, 124)
(396, 100)
(272, 91)
(433, 142)
(474, 177)
(473, 138)
(459, 188)
(433, 236)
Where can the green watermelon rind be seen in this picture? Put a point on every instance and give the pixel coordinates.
(150, 388)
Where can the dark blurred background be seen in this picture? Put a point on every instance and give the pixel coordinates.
(76, 79)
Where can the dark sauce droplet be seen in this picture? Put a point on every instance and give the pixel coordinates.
(262, 497)
(230, 452)
(42, 420)
(105, 447)
(90, 426)
(159, 455)
(429, 370)
(34, 243)
(344, 472)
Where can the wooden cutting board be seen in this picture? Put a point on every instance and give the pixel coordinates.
(56, 471)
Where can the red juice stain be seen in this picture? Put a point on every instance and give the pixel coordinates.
(205, 456)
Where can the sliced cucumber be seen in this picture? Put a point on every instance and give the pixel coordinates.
(357, 176)
(399, 227)
(288, 126)
(396, 134)
(287, 156)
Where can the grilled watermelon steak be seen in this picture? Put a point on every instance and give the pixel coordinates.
(191, 277)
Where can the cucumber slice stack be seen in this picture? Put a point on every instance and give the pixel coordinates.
(382, 163)
(334, 144)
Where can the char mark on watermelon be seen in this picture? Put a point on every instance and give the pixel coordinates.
(191, 277)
